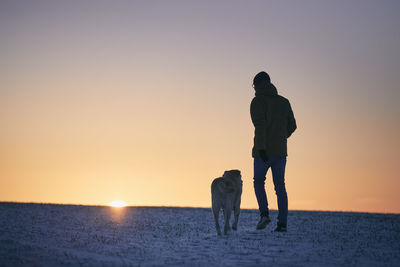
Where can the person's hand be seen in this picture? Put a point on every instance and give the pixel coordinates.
(263, 155)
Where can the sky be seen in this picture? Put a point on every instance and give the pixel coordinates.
(148, 101)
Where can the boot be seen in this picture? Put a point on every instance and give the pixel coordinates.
(281, 227)
(264, 220)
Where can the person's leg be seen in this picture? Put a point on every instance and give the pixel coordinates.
(260, 170)
(278, 165)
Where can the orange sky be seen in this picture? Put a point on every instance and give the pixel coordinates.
(148, 102)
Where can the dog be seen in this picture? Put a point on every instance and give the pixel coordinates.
(226, 193)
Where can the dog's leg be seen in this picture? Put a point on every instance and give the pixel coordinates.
(236, 210)
(236, 214)
(216, 215)
(227, 217)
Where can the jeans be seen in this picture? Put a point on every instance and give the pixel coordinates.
(277, 165)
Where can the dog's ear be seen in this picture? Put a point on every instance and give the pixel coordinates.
(227, 174)
(232, 173)
(235, 172)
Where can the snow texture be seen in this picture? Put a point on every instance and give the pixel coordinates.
(53, 235)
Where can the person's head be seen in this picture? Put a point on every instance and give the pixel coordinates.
(261, 80)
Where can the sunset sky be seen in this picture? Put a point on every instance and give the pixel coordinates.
(148, 101)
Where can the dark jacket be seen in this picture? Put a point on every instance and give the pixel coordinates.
(273, 120)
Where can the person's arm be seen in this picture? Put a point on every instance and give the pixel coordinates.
(257, 111)
(291, 122)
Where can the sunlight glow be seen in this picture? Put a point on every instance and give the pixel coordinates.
(117, 204)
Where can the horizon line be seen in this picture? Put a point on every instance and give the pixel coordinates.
(193, 207)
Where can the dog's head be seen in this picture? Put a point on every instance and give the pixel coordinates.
(233, 178)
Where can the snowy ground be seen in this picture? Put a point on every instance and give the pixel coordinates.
(49, 235)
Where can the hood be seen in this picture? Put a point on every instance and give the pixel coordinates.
(269, 90)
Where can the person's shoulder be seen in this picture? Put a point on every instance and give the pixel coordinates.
(283, 99)
(284, 102)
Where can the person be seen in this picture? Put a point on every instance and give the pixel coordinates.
(274, 122)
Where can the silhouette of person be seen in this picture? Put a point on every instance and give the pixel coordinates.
(274, 122)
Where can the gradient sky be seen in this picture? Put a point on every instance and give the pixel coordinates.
(148, 101)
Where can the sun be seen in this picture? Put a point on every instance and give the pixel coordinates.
(117, 204)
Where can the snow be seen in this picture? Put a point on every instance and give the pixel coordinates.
(52, 235)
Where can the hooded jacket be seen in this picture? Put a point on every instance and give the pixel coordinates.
(273, 120)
